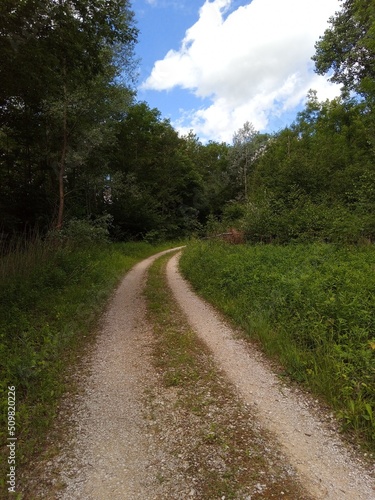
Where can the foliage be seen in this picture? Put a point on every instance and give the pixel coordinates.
(59, 94)
(212, 163)
(312, 180)
(74, 144)
(84, 231)
(312, 306)
(347, 47)
(160, 180)
(248, 145)
(298, 219)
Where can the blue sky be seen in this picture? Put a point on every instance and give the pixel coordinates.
(210, 66)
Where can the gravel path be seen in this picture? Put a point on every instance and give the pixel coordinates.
(327, 468)
(112, 451)
(113, 456)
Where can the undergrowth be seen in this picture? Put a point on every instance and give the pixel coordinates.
(51, 296)
(310, 306)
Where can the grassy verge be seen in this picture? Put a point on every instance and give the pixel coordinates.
(219, 450)
(310, 306)
(50, 301)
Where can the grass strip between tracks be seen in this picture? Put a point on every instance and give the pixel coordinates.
(215, 439)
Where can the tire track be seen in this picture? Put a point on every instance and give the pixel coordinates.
(323, 461)
(112, 455)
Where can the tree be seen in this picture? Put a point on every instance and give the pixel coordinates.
(348, 48)
(248, 145)
(217, 189)
(157, 179)
(94, 113)
(44, 43)
(55, 53)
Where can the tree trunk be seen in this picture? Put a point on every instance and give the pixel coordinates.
(62, 163)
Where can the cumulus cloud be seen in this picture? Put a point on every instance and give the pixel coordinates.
(252, 64)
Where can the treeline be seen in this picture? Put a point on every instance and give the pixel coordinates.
(65, 82)
(316, 178)
(76, 145)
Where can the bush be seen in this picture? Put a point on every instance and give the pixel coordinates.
(301, 220)
(84, 231)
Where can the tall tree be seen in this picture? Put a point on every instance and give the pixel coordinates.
(159, 181)
(54, 51)
(213, 162)
(348, 47)
(248, 145)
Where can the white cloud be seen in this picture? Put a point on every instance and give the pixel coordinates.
(253, 64)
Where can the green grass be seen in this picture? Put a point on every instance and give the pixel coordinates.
(312, 307)
(220, 447)
(51, 298)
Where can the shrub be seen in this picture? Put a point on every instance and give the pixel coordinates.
(84, 231)
(281, 221)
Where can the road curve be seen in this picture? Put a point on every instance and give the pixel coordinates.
(113, 458)
(324, 463)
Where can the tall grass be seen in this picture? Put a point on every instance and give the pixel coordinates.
(311, 306)
(51, 296)
(20, 255)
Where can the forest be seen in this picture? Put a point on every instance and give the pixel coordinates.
(91, 179)
(77, 147)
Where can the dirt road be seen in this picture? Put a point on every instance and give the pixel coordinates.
(112, 452)
(112, 455)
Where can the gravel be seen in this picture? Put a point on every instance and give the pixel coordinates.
(111, 453)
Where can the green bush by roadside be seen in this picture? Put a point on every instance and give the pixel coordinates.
(311, 306)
